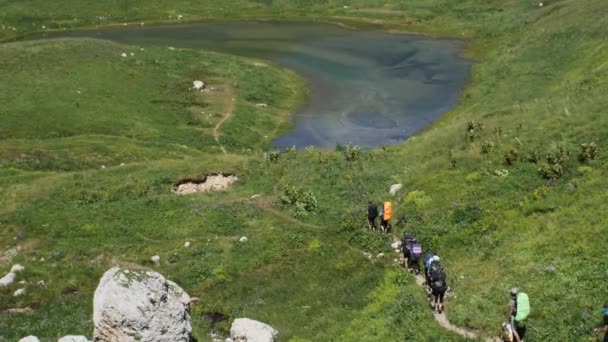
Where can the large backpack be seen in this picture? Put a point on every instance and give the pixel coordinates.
(523, 307)
(415, 251)
(437, 277)
(388, 211)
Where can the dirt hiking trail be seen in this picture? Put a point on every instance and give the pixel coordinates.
(229, 104)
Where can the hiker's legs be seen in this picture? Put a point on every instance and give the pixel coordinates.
(441, 295)
(371, 223)
(520, 328)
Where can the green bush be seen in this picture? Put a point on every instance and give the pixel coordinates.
(473, 130)
(551, 171)
(510, 157)
(587, 152)
(352, 152)
(487, 147)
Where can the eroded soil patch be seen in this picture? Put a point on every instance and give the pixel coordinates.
(216, 181)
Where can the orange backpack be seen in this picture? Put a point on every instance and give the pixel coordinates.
(388, 211)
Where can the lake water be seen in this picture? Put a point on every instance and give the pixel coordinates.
(368, 88)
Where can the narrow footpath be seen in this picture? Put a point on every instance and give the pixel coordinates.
(228, 109)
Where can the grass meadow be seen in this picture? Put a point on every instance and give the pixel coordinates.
(501, 187)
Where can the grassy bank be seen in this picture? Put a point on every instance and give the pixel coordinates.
(498, 186)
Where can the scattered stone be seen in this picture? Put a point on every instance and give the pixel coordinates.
(397, 250)
(122, 164)
(124, 55)
(17, 268)
(248, 330)
(40, 283)
(179, 17)
(211, 182)
(395, 188)
(73, 338)
(131, 53)
(255, 196)
(187, 244)
(171, 48)
(368, 255)
(396, 244)
(380, 255)
(30, 338)
(198, 85)
(142, 306)
(155, 259)
(540, 4)
(22, 282)
(19, 292)
(103, 166)
(261, 105)
(243, 239)
(8, 279)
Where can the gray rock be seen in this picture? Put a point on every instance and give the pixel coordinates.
(140, 306)
(248, 330)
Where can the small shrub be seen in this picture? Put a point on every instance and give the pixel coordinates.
(534, 154)
(273, 156)
(551, 171)
(540, 192)
(352, 152)
(511, 157)
(302, 202)
(474, 129)
(558, 155)
(487, 147)
(467, 214)
(587, 152)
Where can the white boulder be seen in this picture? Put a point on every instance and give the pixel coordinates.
(198, 85)
(248, 330)
(395, 188)
(17, 268)
(8, 279)
(73, 338)
(140, 306)
(187, 244)
(243, 239)
(396, 245)
(155, 259)
(30, 338)
(18, 292)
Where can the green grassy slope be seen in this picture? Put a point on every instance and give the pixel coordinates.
(477, 197)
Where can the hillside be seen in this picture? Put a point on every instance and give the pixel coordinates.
(498, 186)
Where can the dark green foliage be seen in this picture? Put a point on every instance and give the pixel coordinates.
(466, 214)
(352, 152)
(487, 147)
(587, 152)
(510, 157)
(473, 130)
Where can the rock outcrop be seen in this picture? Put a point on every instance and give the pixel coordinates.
(248, 330)
(140, 306)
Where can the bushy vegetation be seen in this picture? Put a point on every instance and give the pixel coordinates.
(528, 211)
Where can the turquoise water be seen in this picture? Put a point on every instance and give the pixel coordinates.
(367, 88)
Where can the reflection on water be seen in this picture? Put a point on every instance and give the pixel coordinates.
(368, 88)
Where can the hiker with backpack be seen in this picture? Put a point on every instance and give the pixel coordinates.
(428, 259)
(603, 329)
(519, 309)
(412, 251)
(372, 214)
(438, 284)
(386, 216)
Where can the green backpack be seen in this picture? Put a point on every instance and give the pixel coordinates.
(523, 307)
